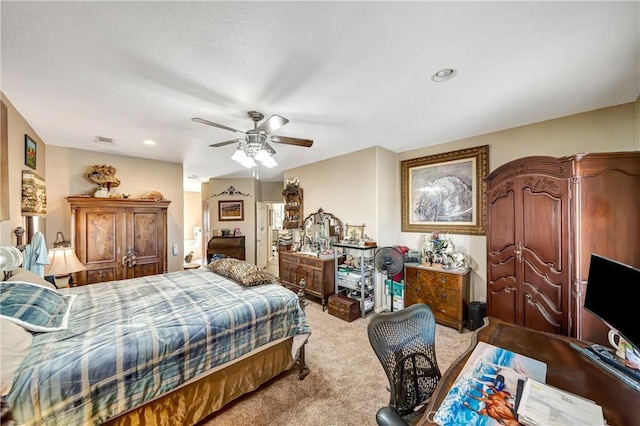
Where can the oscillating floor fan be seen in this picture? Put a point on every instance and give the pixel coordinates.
(389, 261)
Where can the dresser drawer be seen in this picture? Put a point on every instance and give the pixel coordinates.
(310, 261)
(287, 257)
(445, 304)
(434, 278)
(446, 292)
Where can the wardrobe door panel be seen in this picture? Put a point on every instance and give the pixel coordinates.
(502, 217)
(146, 234)
(535, 316)
(542, 228)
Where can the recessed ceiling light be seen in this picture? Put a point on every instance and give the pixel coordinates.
(149, 142)
(444, 75)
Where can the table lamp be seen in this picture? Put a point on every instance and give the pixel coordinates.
(10, 259)
(62, 263)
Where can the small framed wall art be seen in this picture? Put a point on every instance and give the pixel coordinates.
(231, 210)
(30, 152)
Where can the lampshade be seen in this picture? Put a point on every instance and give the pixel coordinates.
(269, 162)
(239, 155)
(248, 162)
(251, 152)
(262, 155)
(63, 261)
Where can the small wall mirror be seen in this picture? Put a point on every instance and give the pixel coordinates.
(319, 231)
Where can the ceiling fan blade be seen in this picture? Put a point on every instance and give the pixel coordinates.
(292, 141)
(272, 123)
(269, 148)
(211, 123)
(219, 144)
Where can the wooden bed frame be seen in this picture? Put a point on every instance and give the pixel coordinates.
(200, 398)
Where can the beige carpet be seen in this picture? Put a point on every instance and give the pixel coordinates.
(346, 384)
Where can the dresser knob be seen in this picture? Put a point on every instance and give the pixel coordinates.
(443, 311)
(443, 295)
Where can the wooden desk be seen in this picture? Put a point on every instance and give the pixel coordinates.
(566, 369)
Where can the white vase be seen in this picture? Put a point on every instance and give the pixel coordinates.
(101, 192)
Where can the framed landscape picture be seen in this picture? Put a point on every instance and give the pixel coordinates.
(231, 210)
(445, 192)
(30, 151)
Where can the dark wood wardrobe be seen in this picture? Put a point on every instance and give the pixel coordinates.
(117, 238)
(545, 216)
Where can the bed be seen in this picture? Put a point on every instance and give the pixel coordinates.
(165, 349)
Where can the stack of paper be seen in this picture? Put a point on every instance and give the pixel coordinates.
(542, 404)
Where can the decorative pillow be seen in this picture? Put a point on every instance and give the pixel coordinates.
(34, 307)
(27, 276)
(256, 278)
(230, 266)
(14, 346)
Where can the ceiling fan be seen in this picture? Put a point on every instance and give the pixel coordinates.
(257, 137)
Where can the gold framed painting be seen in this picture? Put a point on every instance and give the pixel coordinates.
(445, 192)
(231, 210)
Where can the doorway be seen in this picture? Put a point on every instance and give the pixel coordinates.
(275, 217)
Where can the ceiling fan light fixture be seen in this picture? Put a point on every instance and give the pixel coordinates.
(262, 155)
(239, 155)
(248, 163)
(269, 162)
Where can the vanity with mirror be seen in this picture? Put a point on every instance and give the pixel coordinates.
(314, 259)
(319, 232)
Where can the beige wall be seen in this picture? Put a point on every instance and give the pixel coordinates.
(64, 171)
(17, 127)
(357, 186)
(247, 226)
(192, 213)
(138, 176)
(345, 186)
(607, 129)
(192, 218)
(272, 192)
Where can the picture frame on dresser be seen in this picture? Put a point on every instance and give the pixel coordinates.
(445, 192)
(231, 210)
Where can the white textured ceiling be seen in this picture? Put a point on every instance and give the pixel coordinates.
(348, 75)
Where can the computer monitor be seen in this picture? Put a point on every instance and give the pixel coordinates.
(613, 295)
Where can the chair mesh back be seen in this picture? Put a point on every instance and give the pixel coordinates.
(404, 342)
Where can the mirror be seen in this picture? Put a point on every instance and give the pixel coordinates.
(319, 231)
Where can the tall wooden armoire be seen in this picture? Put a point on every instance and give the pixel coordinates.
(118, 238)
(605, 217)
(528, 244)
(545, 216)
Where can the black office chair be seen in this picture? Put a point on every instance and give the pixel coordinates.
(404, 342)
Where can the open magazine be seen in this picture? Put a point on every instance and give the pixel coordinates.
(485, 391)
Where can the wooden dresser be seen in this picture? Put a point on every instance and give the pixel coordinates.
(319, 274)
(228, 246)
(118, 238)
(445, 291)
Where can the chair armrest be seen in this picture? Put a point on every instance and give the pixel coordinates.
(387, 416)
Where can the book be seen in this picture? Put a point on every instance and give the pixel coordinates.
(542, 404)
(484, 393)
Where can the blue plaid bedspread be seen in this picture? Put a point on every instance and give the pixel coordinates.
(130, 341)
